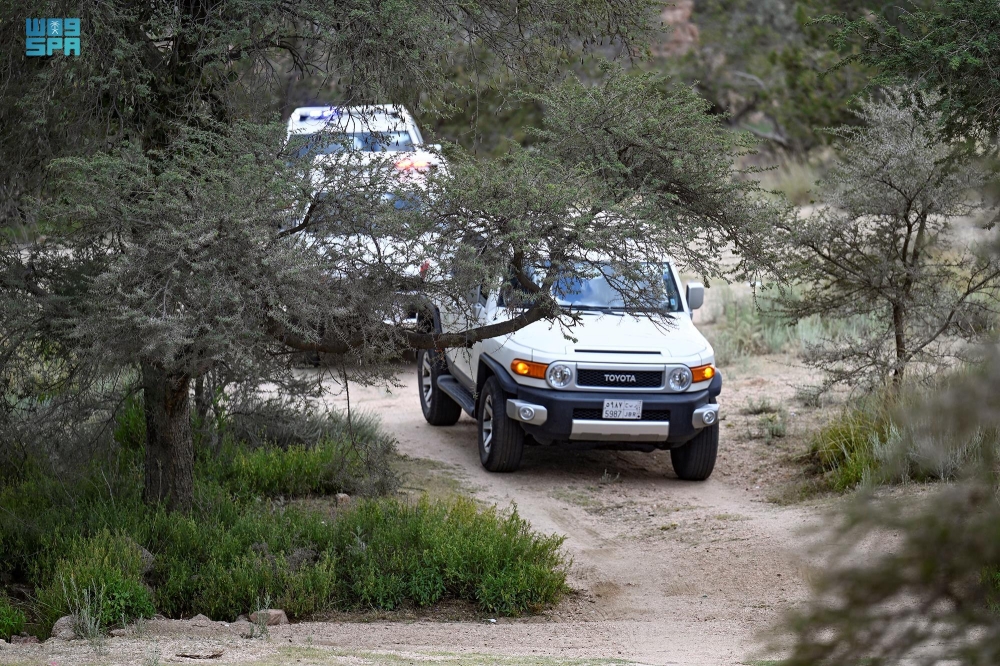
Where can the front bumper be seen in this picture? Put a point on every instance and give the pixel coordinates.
(667, 418)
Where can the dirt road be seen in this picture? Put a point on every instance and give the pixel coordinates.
(667, 572)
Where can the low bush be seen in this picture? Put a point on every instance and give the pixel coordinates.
(887, 438)
(770, 426)
(324, 468)
(243, 543)
(102, 573)
(758, 407)
(12, 619)
(843, 451)
(275, 448)
(393, 553)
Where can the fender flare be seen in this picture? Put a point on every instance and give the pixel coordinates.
(715, 388)
(507, 382)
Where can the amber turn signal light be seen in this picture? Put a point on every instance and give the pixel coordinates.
(529, 368)
(702, 373)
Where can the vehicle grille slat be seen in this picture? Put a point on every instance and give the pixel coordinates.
(643, 378)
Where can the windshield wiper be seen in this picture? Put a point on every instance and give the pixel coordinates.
(606, 309)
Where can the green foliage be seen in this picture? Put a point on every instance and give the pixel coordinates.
(886, 249)
(102, 572)
(325, 468)
(949, 51)
(239, 546)
(770, 70)
(274, 448)
(130, 424)
(491, 557)
(882, 438)
(843, 451)
(12, 619)
(909, 578)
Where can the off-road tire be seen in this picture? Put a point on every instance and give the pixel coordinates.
(438, 407)
(501, 439)
(695, 460)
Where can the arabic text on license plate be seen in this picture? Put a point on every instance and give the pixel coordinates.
(623, 409)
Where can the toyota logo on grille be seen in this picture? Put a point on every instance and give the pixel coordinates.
(619, 379)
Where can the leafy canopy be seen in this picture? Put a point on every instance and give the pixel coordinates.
(949, 51)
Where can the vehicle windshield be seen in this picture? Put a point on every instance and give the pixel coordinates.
(376, 142)
(599, 292)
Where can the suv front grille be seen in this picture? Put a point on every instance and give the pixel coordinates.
(643, 378)
(597, 414)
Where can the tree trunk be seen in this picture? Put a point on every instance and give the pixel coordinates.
(169, 440)
(899, 331)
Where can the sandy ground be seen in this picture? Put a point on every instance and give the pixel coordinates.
(663, 571)
(667, 572)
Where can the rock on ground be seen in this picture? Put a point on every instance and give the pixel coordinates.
(271, 617)
(24, 639)
(63, 628)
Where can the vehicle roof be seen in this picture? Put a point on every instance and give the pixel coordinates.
(368, 118)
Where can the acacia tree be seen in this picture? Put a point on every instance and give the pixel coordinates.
(886, 247)
(181, 236)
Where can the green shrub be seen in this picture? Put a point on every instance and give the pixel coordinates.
(273, 447)
(239, 545)
(380, 554)
(103, 573)
(234, 550)
(491, 557)
(886, 438)
(12, 619)
(843, 451)
(130, 424)
(329, 467)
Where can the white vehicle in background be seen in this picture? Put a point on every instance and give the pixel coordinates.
(627, 382)
(364, 134)
(375, 148)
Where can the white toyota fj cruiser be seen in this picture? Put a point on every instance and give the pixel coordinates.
(626, 382)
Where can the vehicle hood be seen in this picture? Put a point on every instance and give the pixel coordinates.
(350, 165)
(612, 333)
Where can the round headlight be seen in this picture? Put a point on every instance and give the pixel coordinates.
(679, 379)
(559, 375)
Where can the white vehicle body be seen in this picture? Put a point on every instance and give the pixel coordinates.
(378, 143)
(615, 380)
(361, 136)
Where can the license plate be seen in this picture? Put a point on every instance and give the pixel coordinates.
(623, 409)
